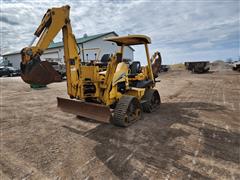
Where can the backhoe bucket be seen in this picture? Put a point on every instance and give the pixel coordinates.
(94, 111)
(40, 72)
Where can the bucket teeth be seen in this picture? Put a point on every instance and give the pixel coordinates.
(93, 111)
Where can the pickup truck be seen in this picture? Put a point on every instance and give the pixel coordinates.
(236, 66)
(9, 71)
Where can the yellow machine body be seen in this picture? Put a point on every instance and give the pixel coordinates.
(95, 90)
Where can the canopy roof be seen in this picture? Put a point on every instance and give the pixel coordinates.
(130, 40)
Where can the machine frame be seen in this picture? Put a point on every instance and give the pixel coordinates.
(94, 91)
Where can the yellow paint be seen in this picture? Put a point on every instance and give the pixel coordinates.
(79, 76)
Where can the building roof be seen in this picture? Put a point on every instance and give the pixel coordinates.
(82, 40)
(79, 41)
(11, 53)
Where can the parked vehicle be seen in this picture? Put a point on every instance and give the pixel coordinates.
(164, 68)
(198, 67)
(9, 71)
(236, 66)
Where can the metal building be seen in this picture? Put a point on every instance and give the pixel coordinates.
(91, 47)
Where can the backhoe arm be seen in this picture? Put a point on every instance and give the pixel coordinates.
(35, 71)
(156, 61)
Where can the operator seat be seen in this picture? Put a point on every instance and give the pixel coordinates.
(105, 58)
(135, 69)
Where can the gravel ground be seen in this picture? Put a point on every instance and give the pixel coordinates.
(194, 135)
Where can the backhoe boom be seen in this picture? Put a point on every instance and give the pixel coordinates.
(35, 71)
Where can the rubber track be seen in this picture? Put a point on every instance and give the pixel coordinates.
(147, 97)
(121, 110)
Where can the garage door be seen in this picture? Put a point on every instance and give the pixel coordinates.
(50, 55)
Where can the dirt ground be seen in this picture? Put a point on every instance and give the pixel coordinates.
(194, 135)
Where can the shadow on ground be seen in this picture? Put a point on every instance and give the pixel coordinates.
(148, 145)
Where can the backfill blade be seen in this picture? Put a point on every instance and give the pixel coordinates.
(94, 111)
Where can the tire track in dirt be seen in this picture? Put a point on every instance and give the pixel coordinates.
(216, 93)
(186, 96)
(186, 138)
(213, 86)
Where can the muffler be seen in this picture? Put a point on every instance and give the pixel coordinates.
(93, 111)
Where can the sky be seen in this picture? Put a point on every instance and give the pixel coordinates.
(181, 30)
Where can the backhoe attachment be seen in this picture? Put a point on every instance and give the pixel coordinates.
(36, 71)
